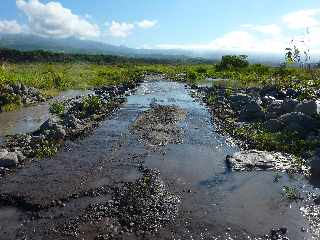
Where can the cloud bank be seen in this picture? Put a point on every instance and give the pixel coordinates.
(53, 20)
(301, 28)
(10, 27)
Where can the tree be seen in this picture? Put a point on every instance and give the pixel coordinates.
(229, 62)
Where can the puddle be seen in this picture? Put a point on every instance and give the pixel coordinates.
(28, 119)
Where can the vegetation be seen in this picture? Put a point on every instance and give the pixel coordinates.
(91, 105)
(283, 141)
(291, 193)
(57, 108)
(47, 149)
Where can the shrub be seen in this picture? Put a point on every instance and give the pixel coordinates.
(92, 105)
(57, 108)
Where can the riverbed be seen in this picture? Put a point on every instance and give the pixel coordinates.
(46, 196)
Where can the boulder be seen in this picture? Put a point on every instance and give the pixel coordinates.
(289, 105)
(280, 107)
(267, 100)
(315, 164)
(291, 93)
(252, 111)
(258, 160)
(272, 91)
(8, 160)
(310, 108)
(274, 125)
(299, 122)
(239, 100)
(53, 129)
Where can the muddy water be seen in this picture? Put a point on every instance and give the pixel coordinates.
(216, 203)
(28, 119)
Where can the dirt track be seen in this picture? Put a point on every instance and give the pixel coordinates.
(100, 187)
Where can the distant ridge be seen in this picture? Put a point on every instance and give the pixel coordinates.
(28, 42)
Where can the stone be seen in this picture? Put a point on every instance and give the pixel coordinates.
(290, 92)
(53, 129)
(289, 105)
(267, 100)
(299, 122)
(310, 108)
(252, 111)
(239, 100)
(3, 152)
(9, 160)
(258, 160)
(315, 164)
(274, 125)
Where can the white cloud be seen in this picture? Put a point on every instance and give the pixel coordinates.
(302, 19)
(237, 41)
(145, 24)
(120, 29)
(272, 29)
(10, 27)
(53, 20)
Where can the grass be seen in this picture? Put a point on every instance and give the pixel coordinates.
(291, 193)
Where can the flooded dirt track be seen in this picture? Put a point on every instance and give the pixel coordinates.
(28, 119)
(65, 197)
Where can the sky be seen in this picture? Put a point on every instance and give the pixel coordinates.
(267, 26)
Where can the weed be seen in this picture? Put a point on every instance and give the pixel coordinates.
(46, 149)
(291, 193)
(57, 108)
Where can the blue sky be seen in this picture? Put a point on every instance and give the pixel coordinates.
(245, 25)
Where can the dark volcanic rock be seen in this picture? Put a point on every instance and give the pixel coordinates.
(252, 111)
(299, 122)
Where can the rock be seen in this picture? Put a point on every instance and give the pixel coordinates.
(258, 160)
(17, 88)
(275, 107)
(267, 100)
(239, 100)
(9, 160)
(310, 108)
(20, 156)
(49, 124)
(315, 164)
(72, 122)
(289, 105)
(53, 129)
(24, 89)
(252, 111)
(299, 122)
(274, 125)
(290, 92)
(272, 91)
(3, 152)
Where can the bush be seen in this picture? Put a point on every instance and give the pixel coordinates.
(57, 108)
(92, 105)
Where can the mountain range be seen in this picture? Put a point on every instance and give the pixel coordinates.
(27, 42)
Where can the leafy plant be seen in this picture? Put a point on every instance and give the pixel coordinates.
(91, 105)
(57, 108)
(291, 193)
(46, 149)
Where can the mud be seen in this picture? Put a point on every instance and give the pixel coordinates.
(85, 191)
